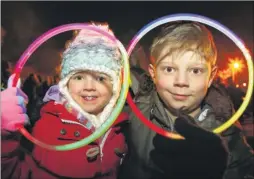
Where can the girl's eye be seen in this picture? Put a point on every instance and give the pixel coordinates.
(100, 78)
(78, 77)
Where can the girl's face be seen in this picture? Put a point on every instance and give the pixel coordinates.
(91, 90)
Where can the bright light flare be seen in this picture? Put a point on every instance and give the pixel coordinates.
(236, 64)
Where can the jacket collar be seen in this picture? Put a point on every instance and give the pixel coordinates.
(216, 108)
(206, 118)
(58, 110)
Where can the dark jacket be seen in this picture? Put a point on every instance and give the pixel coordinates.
(138, 163)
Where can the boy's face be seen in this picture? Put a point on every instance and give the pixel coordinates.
(182, 82)
(91, 90)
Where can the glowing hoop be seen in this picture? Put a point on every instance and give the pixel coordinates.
(121, 100)
(214, 24)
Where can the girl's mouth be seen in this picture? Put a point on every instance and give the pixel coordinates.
(89, 98)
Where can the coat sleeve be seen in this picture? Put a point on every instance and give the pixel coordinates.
(16, 162)
(241, 156)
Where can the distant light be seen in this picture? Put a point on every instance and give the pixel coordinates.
(244, 84)
(236, 65)
(237, 86)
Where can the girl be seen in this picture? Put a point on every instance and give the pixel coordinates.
(81, 102)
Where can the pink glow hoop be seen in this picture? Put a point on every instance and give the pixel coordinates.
(121, 100)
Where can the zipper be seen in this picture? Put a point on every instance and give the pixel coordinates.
(72, 122)
(102, 143)
(171, 123)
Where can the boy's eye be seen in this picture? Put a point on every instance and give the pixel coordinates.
(196, 71)
(169, 69)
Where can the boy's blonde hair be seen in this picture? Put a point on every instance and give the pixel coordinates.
(181, 37)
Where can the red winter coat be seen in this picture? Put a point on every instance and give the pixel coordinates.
(47, 164)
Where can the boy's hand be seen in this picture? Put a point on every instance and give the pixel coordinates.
(13, 108)
(201, 155)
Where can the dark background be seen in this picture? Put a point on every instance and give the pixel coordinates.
(25, 21)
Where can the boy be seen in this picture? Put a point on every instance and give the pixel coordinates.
(183, 65)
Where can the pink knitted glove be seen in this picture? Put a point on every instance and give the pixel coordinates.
(13, 108)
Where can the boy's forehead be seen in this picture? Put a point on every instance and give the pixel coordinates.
(189, 57)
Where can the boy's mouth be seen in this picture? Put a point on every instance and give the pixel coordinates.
(180, 97)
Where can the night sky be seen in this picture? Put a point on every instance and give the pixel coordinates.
(25, 21)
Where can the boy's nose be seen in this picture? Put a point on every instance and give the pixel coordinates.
(181, 80)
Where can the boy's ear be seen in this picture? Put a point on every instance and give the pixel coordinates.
(213, 74)
(151, 70)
